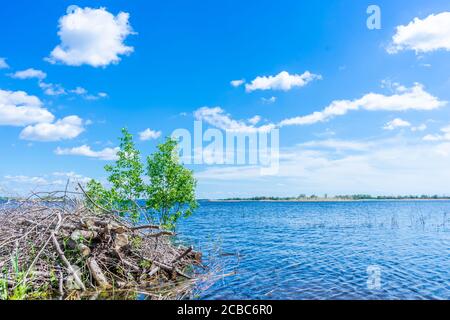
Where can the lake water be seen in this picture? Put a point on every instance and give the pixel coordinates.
(332, 250)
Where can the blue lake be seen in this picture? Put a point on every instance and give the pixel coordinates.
(328, 250)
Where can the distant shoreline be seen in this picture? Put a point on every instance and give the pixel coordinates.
(325, 200)
(293, 200)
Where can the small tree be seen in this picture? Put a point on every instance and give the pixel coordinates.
(125, 176)
(171, 192)
(169, 195)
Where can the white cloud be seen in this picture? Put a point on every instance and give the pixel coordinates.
(97, 96)
(91, 36)
(86, 151)
(429, 34)
(82, 92)
(411, 167)
(392, 86)
(237, 83)
(414, 98)
(49, 89)
(67, 128)
(217, 117)
(26, 179)
(421, 127)
(433, 137)
(254, 120)
(269, 100)
(444, 136)
(282, 81)
(29, 74)
(3, 64)
(79, 91)
(149, 134)
(337, 144)
(426, 65)
(72, 176)
(396, 123)
(17, 108)
(327, 133)
(52, 89)
(21, 185)
(443, 149)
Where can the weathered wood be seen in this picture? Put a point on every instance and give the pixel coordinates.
(120, 241)
(81, 235)
(181, 256)
(48, 240)
(148, 226)
(161, 233)
(67, 263)
(153, 271)
(97, 273)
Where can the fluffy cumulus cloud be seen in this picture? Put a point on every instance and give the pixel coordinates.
(3, 64)
(67, 128)
(282, 81)
(86, 151)
(414, 98)
(218, 118)
(149, 134)
(396, 123)
(17, 108)
(29, 74)
(423, 35)
(93, 37)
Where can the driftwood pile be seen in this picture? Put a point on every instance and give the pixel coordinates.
(67, 250)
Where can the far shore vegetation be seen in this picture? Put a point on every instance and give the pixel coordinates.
(353, 197)
(303, 197)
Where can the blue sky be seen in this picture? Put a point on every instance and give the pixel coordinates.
(157, 63)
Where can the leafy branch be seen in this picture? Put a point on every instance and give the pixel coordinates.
(169, 194)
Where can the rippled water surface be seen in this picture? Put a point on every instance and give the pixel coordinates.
(324, 250)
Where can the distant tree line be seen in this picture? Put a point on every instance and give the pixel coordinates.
(342, 197)
(370, 197)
